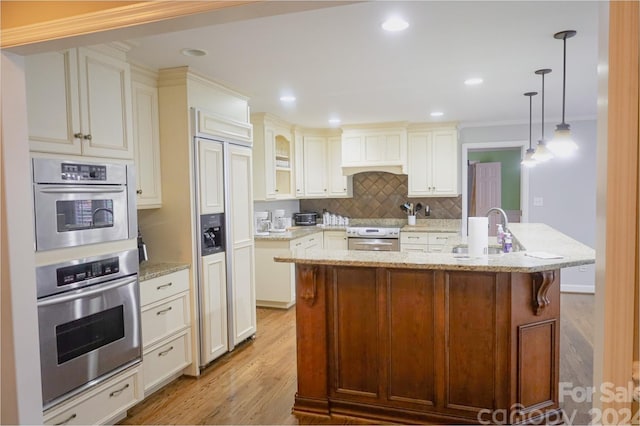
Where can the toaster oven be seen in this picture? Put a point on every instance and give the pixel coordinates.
(305, 219)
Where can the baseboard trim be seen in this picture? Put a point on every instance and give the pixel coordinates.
(574, 288)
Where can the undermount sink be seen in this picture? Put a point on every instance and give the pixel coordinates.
(465, 250)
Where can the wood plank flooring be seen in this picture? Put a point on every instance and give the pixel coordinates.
(256, 383)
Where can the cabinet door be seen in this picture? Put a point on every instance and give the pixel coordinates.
(315, 166)
(335, 240)
(374, 148)
(445, 163)
(105, 103)
(147, 145)
(269, 163)
(214, 309)
(418, 165)
(338, 183)
(242, 251)
(53, 105)
(211, 177)
(299, 165)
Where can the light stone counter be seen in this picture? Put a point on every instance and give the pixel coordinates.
(434, 225)
(290, 234)
(532, 237)
(151, 269)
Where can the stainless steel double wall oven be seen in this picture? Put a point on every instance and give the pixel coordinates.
(88, 306)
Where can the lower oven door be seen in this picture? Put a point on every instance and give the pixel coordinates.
(87, 334)
(374, 244)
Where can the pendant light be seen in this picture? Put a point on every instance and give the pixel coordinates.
(542, 153)
(528, 160)
(562, 145)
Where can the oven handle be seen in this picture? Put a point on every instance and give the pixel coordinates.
(374, 244)
(97, 289)
(82, 190)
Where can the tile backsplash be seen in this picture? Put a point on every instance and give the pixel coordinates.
(379, 195)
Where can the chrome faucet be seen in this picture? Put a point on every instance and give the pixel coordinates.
(504, 216)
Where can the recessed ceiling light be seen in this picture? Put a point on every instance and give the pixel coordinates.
(437, 114)
(334, 121)
(473, 81)
(288, 98)
(193, 52)
(394, 24)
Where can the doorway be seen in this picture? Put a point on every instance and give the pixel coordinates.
(492, 177)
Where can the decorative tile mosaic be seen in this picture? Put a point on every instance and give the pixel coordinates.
(379, 195)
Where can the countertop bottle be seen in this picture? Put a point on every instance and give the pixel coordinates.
(507, 245)
(500, 234)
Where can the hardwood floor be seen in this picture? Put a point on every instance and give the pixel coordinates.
(256, 383)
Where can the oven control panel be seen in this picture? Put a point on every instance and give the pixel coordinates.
(83, 172)
(85, 271)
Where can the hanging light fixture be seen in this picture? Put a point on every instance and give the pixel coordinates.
(528, 160)
(542, 153)
(562, 145)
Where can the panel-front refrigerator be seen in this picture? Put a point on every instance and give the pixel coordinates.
(226, 277)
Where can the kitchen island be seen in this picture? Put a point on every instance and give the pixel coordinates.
(433, 338)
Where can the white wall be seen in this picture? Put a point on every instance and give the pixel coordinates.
(567, 188)
(21, 397)
(289, 206)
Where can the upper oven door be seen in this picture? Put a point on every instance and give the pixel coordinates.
(87, 333)
(74, 215)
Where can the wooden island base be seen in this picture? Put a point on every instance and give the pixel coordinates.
(428, 346)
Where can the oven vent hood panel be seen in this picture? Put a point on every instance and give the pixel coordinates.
(397, 169)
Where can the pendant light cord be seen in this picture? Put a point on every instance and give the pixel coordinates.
(542, 137)
(530, 106)
(564, 74)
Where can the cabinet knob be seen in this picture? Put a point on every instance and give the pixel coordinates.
(78, 135)
(325, 190)
(87, 137)
(277, 190)
(139, 191)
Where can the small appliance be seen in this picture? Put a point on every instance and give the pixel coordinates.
(142, 249)
(305, 219)
(261, 223)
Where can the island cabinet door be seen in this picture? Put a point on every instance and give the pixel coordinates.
(476, 329)
(382, 345)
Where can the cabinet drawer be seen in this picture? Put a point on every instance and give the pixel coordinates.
(414, 238)
(161, 319)
(101, 404)
(417, 248)
(440, 238)
(162, 287)
(166, 359)
(436, 248)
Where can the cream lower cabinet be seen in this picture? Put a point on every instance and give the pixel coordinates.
(335, 240)
(166, 328)
(433, 163)
(275, 282)
(425, 242)
(106, 403)
(146, 138)
(79, 102)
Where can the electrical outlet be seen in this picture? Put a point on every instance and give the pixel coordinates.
(538, 201)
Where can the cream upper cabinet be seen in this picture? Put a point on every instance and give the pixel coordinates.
(315, 166)
(433, 163)
(322, 168)
(298, 164)
(274, 153)
(376, 146)
(211, 161)
(339, 184)
(79, 102)
(146, 138)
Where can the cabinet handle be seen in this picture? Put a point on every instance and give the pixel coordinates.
(87, 137)
(298, 245)
(139, 191)
(297, 190)
(325, 190)
(78, 135)
(163, 353)
(119, 391)
(413, 238)
(67, 420)
(441, 238)
(311, 239)
(160, 287)
(164, 311)
(277, 190)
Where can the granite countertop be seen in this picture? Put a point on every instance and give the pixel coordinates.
(434, 225)
(532, 237)
(152, 269)
(289, 234)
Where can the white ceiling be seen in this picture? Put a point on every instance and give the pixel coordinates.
(337, 60)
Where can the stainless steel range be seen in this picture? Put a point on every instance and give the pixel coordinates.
(373, 238)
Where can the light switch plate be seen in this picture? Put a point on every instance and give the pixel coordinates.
(538, 201)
